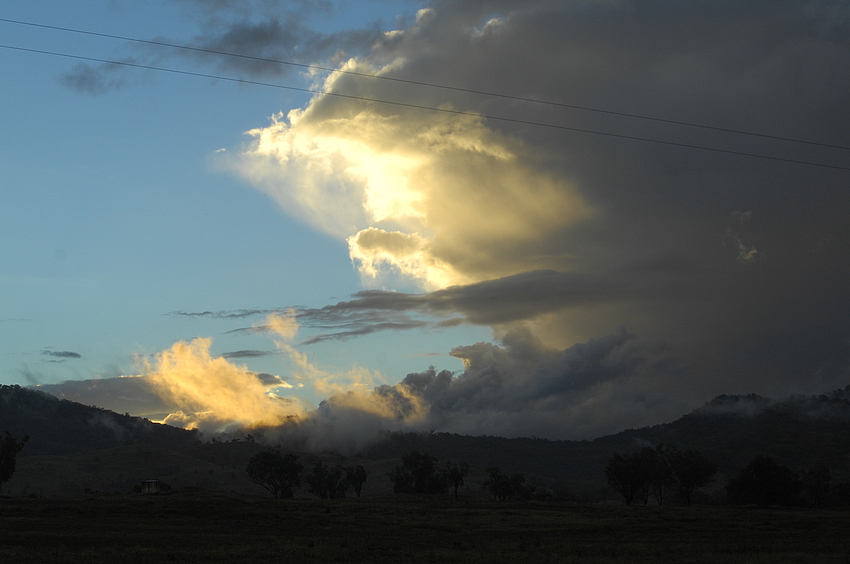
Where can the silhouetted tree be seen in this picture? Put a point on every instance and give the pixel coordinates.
(764, 482)
(356, 476)
(499, 484)
(9, 449)
(418, 473)
(280, 475)
(658, 472)
(647, 460)
(327, 483)
(816, 483)
(519, 488)
(455, 474)
(505, 486)
(626, 475)
(692, 471)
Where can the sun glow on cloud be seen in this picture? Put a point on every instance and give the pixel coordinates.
(437, 198)
(212, 393)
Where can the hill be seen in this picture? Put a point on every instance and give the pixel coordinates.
(73, 447)
(798, 431)
(61, 427)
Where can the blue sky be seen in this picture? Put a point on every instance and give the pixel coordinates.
(582, 266)
(115, 213)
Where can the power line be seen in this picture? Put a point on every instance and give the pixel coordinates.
(432, 85)
(429, 108)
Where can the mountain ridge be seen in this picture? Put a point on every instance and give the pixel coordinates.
(797, 431)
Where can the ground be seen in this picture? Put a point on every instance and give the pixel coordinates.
(194, 525)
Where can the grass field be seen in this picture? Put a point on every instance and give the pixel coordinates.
(201, 526)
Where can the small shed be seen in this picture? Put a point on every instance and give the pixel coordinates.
(150, 486)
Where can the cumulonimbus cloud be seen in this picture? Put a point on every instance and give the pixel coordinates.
(557, 236)
(464, 204)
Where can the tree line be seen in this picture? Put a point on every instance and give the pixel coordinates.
(657, 472)
(280, 475)
(417, 473)
(423, 474)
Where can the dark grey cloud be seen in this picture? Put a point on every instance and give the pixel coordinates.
(365, 329)
(264, 48)
(738, 263)
(519, 297)
(270, 380)
(60, 354)
(247, 353)
(97, 79)
(226, 314)
(518, 388)
(333, 322)
(250, 39)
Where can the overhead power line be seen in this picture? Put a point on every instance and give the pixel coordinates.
(429, 84)
(429, 108)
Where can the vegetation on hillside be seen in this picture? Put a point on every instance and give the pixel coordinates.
(74, 447)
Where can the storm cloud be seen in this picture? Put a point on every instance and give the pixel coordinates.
(735, 262)
(646, 201)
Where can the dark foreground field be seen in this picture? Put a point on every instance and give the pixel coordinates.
(196, 526)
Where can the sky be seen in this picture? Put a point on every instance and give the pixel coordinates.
(542, 218)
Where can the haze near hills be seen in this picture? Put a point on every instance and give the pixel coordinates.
(74, 448)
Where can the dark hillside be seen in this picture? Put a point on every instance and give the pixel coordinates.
(799, 432)
(61, 427)
(73, 447)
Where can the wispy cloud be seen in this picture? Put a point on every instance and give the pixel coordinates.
(246, 39)
(247, 353)
(59, 356)
(226, 314)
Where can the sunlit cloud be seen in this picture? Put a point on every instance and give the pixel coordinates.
(212, 393)
(428, 196)
(284, 328)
